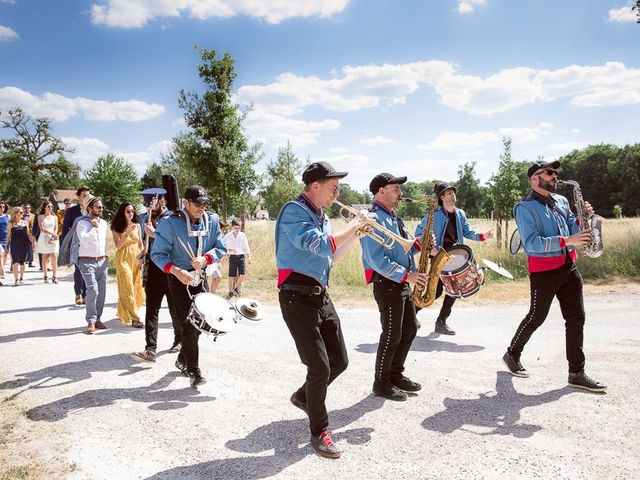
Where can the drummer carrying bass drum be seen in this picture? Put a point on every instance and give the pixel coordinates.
(451, 227)
(188, 230)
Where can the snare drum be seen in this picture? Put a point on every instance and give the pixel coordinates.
(212, 314)
(461, 276)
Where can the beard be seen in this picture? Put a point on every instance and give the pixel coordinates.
(549, 186)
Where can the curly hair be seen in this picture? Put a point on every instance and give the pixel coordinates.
(119, 221)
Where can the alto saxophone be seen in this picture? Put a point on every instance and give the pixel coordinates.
(595, 246)
(425, 296)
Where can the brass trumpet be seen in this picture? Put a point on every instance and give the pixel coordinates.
(375, 231)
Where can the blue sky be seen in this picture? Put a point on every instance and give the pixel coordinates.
(413, 87)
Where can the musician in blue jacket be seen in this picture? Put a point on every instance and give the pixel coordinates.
(550, 235)
(391, 270)
(195, 228)
(306, 248)
(451, 227)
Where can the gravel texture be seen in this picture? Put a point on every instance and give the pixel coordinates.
(119, 419)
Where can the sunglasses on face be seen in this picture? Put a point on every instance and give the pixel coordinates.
(199, 205)
(549, 171)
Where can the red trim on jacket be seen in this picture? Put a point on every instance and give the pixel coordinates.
(209, 258)
(167, 267)
(283, 274)
(333, 244)
(543, 264)
(417, 244)
(563, 242)
(368, 275)
(481, 237)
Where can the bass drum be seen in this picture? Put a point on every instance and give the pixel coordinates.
(212, 314)
(461, 277)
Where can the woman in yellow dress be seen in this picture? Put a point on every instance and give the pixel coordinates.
(125, 228)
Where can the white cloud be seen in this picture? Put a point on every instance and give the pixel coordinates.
(7, 34)
(622, 15)
(369, 86)
(88, 150)
(276, 130)
(373, 141)
(135, 14)
(468, 6)
(61, 108)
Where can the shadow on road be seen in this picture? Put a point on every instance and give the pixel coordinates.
(427, 344)
(284, 437)
(492, 414)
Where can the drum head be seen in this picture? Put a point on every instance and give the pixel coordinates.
(460, 256)
(217, 314)
(515, 243)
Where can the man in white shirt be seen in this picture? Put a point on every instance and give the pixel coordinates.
(238, 250)
(90, 246)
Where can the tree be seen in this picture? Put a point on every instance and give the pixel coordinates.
(32, 159)
(115, 181)
(636, 7)
(283, 183)
(152, 176)
(468, 190)
(215, 147)
(504, 189)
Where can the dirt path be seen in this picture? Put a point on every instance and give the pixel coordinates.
(78, 406)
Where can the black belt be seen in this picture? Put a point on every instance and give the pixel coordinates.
(95, 259)
(304, 289)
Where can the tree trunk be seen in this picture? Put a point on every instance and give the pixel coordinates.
(498, 232)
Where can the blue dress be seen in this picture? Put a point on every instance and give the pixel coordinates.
(19, 244)
(4, 222)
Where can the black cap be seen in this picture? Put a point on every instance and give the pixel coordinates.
(535, 166)
(442, 187)
(384, 179)
(196, 193)
(319, 170)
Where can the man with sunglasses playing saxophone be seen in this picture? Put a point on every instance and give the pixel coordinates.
(391, 270)
(550, 235)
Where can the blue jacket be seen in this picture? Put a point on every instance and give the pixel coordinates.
(440, 221)
(392, 263)
(168, 251)
(70, 216)
(304, 243)
(544, 223)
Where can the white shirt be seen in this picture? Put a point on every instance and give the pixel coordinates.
(93, 240)
(238, 243)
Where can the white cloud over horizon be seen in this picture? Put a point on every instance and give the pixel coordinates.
(373, 141)
(7, 34)
(469, 6)
(61, 108)
(622, 15)
(128, 14)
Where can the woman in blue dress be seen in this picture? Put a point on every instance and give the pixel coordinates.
(4, 223)
(18, 241)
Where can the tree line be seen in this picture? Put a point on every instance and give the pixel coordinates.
(214, 151)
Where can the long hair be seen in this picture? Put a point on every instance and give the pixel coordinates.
(119, 221)
(14, 213)
(42, 210)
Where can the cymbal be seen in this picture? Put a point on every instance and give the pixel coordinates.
(250, 309)
(497, 268)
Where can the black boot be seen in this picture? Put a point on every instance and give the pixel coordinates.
(443, 328)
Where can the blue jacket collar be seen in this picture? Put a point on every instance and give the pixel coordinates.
(305, 200)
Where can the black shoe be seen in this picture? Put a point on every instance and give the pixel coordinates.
(146, 356)
(443, 328)
(182, 367)
(175, 348)
(390, 392)
(236, 291)
(296, 402)
(403, 383)
(514, 366)
(324, 445)
(581, 380)
(196, 379)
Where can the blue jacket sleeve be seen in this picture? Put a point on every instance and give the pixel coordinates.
(162, 245)
(303, 233)
(533, 241)
(467, 231)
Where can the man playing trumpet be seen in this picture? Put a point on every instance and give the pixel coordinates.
(306, 249)
(391, 268)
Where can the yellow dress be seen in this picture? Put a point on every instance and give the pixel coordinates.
(129, 277)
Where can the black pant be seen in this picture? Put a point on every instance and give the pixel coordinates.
(315, 328)
(447, 302)
(78, 282)
(565, 283)
(189, 352)
(399, 328)
(156, 288)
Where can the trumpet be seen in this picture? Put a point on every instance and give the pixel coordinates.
(375, 231)
(418, 201)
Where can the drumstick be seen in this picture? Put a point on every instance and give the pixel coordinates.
(188, 250)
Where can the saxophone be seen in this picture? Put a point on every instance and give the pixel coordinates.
(595, 246)
(425, 296)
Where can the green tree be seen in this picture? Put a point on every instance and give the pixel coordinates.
(415, 191)
(115, 181)
(215, 147)
(468, 191)
(31, 159)
(152, 176)
(283, 183)
(504, 189)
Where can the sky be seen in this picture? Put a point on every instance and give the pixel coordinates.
(410, 87)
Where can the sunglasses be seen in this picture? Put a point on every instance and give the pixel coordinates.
(199, 205)
(548, 171)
